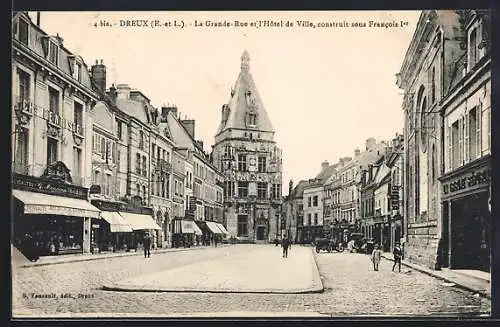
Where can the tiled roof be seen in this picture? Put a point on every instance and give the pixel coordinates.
(239, 104)
(298, 191)
(134, 109)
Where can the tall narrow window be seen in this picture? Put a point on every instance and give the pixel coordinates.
(77, 165)
(144, 166)
(242, 162)
(138, 164)
(252, 119)
(24, 86)
(21, 158)
(53, 53)
(54, 101)
(433, 164)
(262, 190)
(144, 193)
(455, 145)
(22, 31)
(141, 140)
(78, 118)
(472, 131)
(119, 130)
(138, 189)
(262, 164)
(473, 48)
(51, 150)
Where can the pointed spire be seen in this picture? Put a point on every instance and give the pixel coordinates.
(245, 62)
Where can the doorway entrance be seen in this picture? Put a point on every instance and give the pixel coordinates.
(261, 233)
(470, 230)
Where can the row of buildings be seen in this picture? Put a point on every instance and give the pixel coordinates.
(358, 194)
(97, 167)
(431, 186)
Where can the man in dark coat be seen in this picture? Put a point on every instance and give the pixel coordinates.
(147, 245)
(397, 256)
(285, 244)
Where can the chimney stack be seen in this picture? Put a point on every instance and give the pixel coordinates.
(123, 91)
(370, 143)
(200, 144)
(98, 76)
(290, 187)
(357, 152)
(112, 92)
(38, 18)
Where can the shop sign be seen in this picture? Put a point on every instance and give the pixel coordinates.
(47, 186)
(471, 181)
(395, 197)
(95, 225)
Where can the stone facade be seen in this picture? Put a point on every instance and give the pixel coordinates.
(427, 75)
(247, 155)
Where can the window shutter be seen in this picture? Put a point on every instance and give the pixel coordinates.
(478, 129)
(449, 141)
(466, 139)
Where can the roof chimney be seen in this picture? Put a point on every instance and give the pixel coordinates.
(370, 143)
(290, 187)
(123, 91)
(98, 76)
(357, 152)
(112, 92)
(38, 18)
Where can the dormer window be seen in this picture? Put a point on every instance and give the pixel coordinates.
(473, 47)
(21, 31)
(77, 71)
(252, 119)
(475, 50)
(53, 52)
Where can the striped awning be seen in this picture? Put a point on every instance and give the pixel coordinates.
(213, 227)
(222, 228)
(116, 222)
(45, 204)
(139, 222)
(184, 226)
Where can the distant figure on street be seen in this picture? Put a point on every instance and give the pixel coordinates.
(285, 243)
(215, 240)
(147, 245)
(376, 255)
(398, 253)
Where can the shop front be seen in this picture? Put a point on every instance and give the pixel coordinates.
(51, 211)
(185, 232)
(140, 219)
(465, 239)
(113, 233)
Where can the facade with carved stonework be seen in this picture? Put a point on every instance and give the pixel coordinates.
(248, 156)
(446, 79)
(51, 133)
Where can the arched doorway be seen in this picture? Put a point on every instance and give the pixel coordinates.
(261, 229)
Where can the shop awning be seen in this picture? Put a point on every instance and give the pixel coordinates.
(222, 228)
(139, 222)
(116, 222)
(197, 229)
(213, 227)
(44, 204)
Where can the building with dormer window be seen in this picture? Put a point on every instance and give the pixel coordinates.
(52, 97)
(246, 153)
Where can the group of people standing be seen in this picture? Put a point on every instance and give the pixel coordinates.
(377, 255)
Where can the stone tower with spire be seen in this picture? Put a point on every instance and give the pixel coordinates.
(246, 153)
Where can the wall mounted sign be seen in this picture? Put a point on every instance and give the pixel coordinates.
(469, 181)
(48, 186)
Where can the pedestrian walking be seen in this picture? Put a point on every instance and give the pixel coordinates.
(398, 253)
(376, 256)
(285, 244)
(147, 245)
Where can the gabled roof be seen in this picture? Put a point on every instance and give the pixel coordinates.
(326, 173)
(245, 98)
(298, 191)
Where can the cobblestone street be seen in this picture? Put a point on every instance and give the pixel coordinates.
(351, 288)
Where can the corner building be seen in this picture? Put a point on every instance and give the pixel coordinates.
(246, 153)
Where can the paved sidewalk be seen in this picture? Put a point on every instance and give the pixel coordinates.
(261, 270)
(20, 261)
(470, 280)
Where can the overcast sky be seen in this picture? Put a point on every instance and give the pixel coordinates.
(326, 90)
